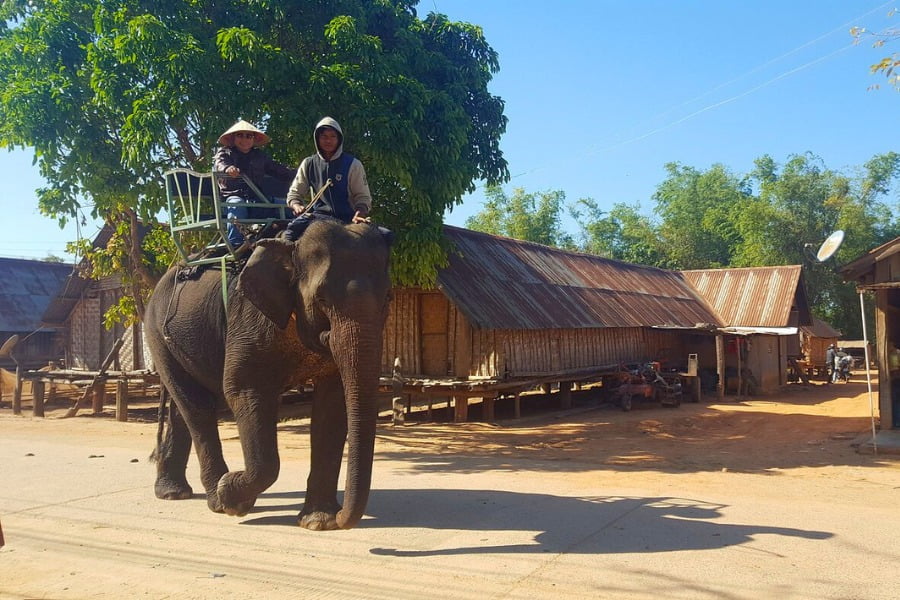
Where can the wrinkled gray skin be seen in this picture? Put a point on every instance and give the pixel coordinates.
(334, 283)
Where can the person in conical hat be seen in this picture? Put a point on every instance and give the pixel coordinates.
(238, 157)
(259, 137)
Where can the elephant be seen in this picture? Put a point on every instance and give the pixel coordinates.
(334, 284)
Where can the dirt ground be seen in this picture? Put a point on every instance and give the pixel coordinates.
(763, 460)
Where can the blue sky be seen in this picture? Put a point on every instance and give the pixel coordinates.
(600, 95)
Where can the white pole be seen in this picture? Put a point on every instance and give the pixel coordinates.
(862, 310)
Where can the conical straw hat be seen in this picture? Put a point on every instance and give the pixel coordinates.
(227, 138)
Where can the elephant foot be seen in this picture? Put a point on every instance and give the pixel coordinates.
(319, 518)
(212, 501)
(318, 521)
(229, 496)
(170, 489)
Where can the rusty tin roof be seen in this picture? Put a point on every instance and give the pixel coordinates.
(754, 296)
(502, 283)
(26, 289)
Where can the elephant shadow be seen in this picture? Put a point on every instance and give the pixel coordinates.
(561, 524)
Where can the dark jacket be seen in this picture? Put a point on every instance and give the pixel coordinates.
(255, 164)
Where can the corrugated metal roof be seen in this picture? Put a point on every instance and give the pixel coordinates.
(860, 267)
(821, 329)
(754, 296)
(501, 283)
(26, 289)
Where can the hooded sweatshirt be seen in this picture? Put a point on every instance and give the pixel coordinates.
(349, 189)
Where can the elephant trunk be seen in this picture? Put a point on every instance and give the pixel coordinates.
(359, 364)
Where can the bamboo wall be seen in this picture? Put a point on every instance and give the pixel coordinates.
(89, 341)
(494, 353)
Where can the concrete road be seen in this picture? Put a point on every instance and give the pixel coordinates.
(80, 521)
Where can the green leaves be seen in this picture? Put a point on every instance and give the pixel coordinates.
(111, 94)
(522, 216)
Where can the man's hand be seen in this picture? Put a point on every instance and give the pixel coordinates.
(296, 207)
(362, 215)
(232, 171)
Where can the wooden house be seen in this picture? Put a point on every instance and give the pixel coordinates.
(77, 313)
(808, 349)
(761, 309)
(27, 287)
(508, 313)
(878, 271)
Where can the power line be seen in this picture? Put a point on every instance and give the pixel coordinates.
(592, 150)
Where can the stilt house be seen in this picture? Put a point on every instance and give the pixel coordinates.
(508, 312)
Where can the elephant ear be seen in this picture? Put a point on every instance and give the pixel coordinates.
(266, 280)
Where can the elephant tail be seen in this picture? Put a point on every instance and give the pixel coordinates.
(161, 423)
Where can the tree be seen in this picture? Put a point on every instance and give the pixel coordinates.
(775, 215)
(534, 217)
(697, 209)
(799, 205)
(111, 94)
(622, 234)
(888, 65)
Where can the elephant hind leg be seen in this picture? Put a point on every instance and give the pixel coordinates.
(171, 456)
(193, 419)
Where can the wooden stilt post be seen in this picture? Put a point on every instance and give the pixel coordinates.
(17, 393)
(122, 399)
(51, 386)
(461, 404)
(37, 398)
(488, 404)
(565, 394)
(98, 398)
(720, 366)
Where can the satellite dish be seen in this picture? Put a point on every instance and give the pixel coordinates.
(830, 246)
(8, 345)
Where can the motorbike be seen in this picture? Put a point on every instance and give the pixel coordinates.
(842, 368)
(646, 381)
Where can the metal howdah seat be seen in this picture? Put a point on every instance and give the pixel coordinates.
(197, 214)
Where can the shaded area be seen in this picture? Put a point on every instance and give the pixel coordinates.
(553, 524)
(817, 427)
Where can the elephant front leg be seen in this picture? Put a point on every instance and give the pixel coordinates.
(328, 433)
(257, 427)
